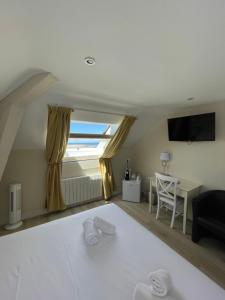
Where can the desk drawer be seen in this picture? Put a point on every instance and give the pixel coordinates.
(181, 193)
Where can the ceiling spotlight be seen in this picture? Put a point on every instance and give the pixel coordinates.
(89, 61)
(191, 99)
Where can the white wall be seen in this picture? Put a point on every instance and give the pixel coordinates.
(202, 162)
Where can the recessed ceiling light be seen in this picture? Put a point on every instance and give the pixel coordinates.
(89, 61)
(190, 99)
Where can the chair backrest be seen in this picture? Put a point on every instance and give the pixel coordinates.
(166, 187)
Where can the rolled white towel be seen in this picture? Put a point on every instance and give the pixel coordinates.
(104, 226)
(160, 282)
(142, 292)
(91, 234)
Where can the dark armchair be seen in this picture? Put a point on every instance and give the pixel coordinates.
(209, 215)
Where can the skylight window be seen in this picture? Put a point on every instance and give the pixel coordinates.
(88, 140)
(91, 128)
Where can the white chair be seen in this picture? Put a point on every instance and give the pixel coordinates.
(166, 188)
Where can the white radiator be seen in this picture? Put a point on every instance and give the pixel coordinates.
(79, 189)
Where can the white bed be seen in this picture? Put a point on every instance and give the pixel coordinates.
(52, 262)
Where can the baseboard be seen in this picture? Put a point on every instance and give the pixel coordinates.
(116, 193)
(84, 202)
(33, 213)
(40, 212)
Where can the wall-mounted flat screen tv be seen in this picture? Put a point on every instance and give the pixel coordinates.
(194, 128)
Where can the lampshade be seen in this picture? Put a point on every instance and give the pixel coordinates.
(164, 156)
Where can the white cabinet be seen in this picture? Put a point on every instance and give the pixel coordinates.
(131, 190)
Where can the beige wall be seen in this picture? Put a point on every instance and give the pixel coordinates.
(119, 165)
(27, 167)
(80, 168)
(202, 162)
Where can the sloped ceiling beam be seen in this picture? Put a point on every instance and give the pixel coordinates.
(12, 108)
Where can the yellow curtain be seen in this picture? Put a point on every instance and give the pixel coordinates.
(56, 142)
(112, 149)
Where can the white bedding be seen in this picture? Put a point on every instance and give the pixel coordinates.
(52, 262)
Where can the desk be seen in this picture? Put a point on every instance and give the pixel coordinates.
(185, 189)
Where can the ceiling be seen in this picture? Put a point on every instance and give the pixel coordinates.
(147, 52)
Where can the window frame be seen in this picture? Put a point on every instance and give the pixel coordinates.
(89, 136)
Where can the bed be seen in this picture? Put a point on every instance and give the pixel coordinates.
(52, 262)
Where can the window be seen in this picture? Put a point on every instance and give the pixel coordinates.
(88, 139)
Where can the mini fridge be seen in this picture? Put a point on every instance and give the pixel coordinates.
(131, 190)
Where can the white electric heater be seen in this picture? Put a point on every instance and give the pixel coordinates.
(15, 198)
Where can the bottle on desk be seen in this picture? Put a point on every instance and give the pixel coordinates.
(127, 172)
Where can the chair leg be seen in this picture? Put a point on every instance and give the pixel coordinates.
(196, 236)
(173, 217)
(166, 210)
(158, 207)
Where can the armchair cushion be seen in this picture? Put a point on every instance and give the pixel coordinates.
(213, 225)
(209, 215)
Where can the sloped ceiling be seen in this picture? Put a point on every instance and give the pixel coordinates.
(33, 129)
(148, 52)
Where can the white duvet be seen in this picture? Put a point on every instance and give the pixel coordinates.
(52, 262)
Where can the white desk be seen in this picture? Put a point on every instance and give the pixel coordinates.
(185, 189)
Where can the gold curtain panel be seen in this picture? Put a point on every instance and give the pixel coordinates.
(111, 150)
(56, 143)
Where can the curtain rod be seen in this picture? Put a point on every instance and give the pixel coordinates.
(97, 111)
(103, 112)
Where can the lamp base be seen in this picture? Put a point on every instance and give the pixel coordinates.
(165, 167)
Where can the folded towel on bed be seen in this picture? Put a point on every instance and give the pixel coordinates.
(104, 226)
(91, 233)
(142, 292)
(160, 282)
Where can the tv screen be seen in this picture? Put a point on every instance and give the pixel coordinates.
(192, 128)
